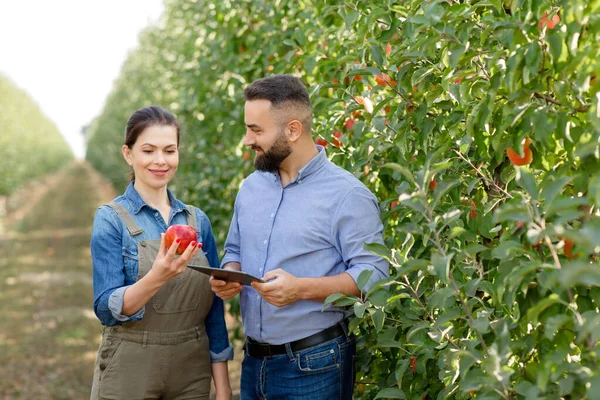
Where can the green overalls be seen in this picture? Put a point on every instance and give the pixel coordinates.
(165, 355)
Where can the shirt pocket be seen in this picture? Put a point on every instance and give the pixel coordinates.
(131, 262)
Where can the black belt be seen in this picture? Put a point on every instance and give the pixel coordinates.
(262, 350)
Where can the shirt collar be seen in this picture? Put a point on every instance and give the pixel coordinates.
(313, 165)
(137, 203)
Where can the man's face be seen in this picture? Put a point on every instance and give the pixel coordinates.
(264, 136)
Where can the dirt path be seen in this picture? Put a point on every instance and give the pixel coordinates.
(48, 331)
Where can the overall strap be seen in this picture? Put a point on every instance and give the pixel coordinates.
(132, 227)
(191, 217)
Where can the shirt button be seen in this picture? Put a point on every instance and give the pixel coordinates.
(272, 215)
(156, 214)
(265, 242)
(258, 325)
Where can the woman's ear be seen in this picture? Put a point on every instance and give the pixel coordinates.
(294, 128)
(126, 151)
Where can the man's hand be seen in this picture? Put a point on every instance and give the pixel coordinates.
(281, 288)
(226, 290)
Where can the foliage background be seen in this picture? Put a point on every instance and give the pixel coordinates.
(494, 288)
(25, 135)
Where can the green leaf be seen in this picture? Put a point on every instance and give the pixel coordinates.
(333, 297)
(512, 212)
(507, 249)
(380, 250)
(363, 278)
(404, 171)
(591, 326)
(401, 368)
(378, 318)
(390, 393)
(579, 273)
(554, 323)
(340, 300)
(441, 266)
(474, 248)
(562, 204)
(389, 343)
(527, 182)
(554, 188)
(351, 17)
(534, 312)
(412, 265)
(359, 309)
(555, 41)
(376, 55)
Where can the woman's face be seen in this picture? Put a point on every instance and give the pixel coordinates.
(154, 156)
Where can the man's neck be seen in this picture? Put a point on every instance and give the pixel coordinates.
(288, 170)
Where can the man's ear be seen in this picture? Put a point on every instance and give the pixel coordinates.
(294, 130)
(126, 151)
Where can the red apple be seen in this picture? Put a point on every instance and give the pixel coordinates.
(185, 233)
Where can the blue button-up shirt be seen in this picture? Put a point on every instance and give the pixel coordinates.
(115, 264)
(313, 227)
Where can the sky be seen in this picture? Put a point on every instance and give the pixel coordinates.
(66, 53)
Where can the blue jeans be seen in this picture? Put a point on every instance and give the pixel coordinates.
(324, 371)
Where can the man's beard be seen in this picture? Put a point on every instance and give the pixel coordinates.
(270, 160)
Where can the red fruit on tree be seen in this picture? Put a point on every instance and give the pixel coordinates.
(393, 204)
(336, 139)
(516, 159)
(433, 184)
(366, 102)
(186, 235)
(321, 142)
(384, 79)
(246, 155)
(550, 23)
(349, 124)
(473, 210)
(413, 364)
(568, 249)
(388, 49)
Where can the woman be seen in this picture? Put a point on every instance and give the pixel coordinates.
(164, 329)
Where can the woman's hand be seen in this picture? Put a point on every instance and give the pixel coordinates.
(167, 266)
(223, 394)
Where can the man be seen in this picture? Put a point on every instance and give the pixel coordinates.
(300, 223)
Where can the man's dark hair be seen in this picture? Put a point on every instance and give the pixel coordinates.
(286, 93)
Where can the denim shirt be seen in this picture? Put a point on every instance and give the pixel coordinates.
(313, 227)
(115, 266)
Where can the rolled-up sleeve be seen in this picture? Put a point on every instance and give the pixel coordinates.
(107, 269)
(216, 330)
(357, 222)
(115, 304)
